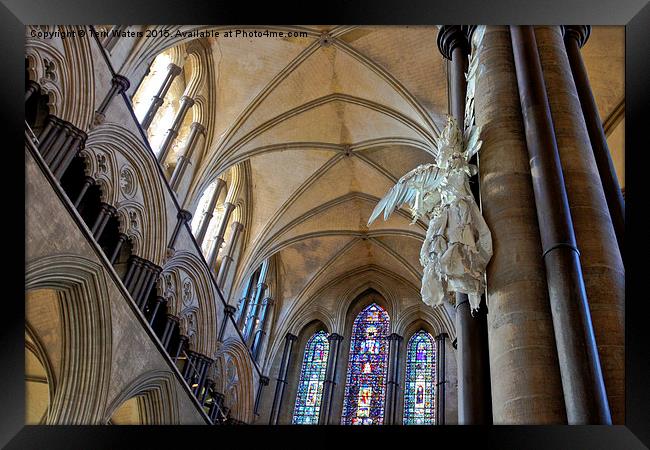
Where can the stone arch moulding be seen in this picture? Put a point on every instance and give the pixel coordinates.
(71, 86)
(235, 356)
(160, 398)
(181, 269)
(86, 335)
(131, 182)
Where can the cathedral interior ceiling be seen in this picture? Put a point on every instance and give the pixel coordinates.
(328, 123)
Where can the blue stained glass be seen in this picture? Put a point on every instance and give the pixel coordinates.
(419, 389)
(312, 376)
(366, 381)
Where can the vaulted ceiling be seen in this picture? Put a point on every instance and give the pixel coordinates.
(328, 123)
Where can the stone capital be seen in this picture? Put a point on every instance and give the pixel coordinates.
(184, 215)
(264, 381)
(334, 337)
(291, 337)
(578, 32)
(173, 69)
(200, 128)
(121, 82)
(451, 37)
(229, 310)
(187, 100)
(395, 337)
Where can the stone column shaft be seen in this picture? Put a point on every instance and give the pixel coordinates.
(182, 342)
(118, 246)
(196, 130)
(249, 329)
(105, 213)
(172, 72)
(258, 335)
(237, 228)
(392, 384)
(160, 304)
(218, 240)
(264, 381)
(330, 379)
(228, 312)
(88, 181)
(289, 341)
(595, 230)
(119, 84)
(526, 386)
(582, 382)
(574, 38)
(441, 379)
(183, 217)
(473, 379)
(207, 216)
(186, 104)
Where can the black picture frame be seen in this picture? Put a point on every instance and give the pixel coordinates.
(634, 14)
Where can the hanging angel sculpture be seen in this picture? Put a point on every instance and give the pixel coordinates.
(458, 243)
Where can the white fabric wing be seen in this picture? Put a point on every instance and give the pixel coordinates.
(423, 178)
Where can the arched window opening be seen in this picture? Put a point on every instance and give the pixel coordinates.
(419, 386)
(150, 85)
(312, 377)
(365, 388)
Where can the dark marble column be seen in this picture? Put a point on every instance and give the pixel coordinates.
(242, 306)
(158, 306)
(172, 72)
(207, 216)
(186, 104)
(228, 258)
(191, 365)
(264, 381)
(172, 322)
(473, 374)
(575, 36)
(122, 238)
(31, 88)
(218, 240)
(182, 343)
(582, 380)
(441, 379)
(289, 341)
(88, 181)
(228, 312)
(196, 130)
(183, 217)
(209, 386)
(59, 143)
(259, 335)
(106, 211)
(253, 314)
(392, 383)
(119, 84)
(330, 379)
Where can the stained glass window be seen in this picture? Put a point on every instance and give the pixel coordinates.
(419, 387)
(366, 381)
(312, 376)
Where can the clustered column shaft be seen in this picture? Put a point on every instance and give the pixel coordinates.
(172, 72)
(584, 391)
(186, 104)
(196, 130)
